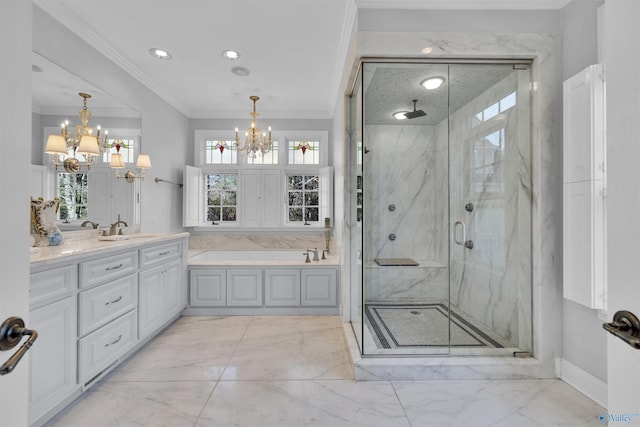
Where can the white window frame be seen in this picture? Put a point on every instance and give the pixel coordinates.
(194, 214)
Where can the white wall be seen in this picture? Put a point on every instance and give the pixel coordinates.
(583, 339)
(165, 131)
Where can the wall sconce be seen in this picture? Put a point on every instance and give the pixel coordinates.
(143, 163)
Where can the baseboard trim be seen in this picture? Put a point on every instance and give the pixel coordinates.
(581, 380)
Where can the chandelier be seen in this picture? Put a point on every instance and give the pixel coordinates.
(83, 141)
(256, 141)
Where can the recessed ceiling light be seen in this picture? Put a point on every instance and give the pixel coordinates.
(159, 53)
(400, 115)
(427, 50)
(432, 83)
(231, 55)
(240, 71)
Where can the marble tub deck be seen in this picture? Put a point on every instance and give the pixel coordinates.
(296, 371)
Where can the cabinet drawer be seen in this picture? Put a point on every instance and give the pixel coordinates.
(103, 270)
(100, 305)
(102, 348)
(159, 254)
(53, 284)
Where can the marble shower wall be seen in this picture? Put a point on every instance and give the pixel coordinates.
(492, 282)
(405, 167)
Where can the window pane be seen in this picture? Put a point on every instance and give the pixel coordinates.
(311, 182)
(311, 214)
(269, 158)
(296, 198)
(304, 152)
(73, 193)
(295, 182)
(219, 152)
(295, 214)
(508, 102)
(311, 199)
(491, 111)
(229, 214)
(127, 149)
(221, 197)
(303, 198)
(213, 214)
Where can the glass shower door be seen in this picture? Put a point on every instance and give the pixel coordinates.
(490, 206)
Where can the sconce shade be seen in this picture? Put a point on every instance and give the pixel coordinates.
(89, 145)
(116, 161)
(144, 162)
(56, 144)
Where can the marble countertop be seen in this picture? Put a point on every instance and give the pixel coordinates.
(91, 245)
(199, 257)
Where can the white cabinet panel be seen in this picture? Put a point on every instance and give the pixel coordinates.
(272, 202)
(53, 283)
(244, 287)
(150, 306)
(208, 288)
(158, 254)
(53, 360)
(584, 189)
(102, 348)
(103, 270)
(101, 304)
(319, 287)
(262, 202)
(282, 287)
(172, 301)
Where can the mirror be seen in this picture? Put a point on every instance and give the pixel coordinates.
(93, 193)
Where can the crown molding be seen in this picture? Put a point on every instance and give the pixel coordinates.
(68, 18)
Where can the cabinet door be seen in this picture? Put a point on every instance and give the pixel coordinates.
(244, 287)
(172, 298)
(150, 300)
(53, 362)
(208, 288)
(251, 197)
(319, 287)
(282, 287)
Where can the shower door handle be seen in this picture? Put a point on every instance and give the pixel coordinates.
(462, 242)
(456, 227)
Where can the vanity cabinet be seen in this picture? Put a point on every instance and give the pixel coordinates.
(160, 290)
(93, 310)
(107, 303)
(53, 363)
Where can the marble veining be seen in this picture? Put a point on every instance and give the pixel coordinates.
(267, 394)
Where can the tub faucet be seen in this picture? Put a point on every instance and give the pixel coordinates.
(114, 227)
(93, 224)
(315, 254)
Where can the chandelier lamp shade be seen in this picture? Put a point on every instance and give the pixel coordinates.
(82, 140)
(256, 141)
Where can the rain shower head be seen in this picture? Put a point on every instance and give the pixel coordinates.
(415, 113)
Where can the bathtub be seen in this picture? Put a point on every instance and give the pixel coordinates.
(258, 258)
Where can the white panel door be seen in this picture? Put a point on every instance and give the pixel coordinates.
(251, 193)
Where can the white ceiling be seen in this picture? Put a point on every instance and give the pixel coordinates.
(294, 49)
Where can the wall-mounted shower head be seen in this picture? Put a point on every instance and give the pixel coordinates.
(415, 113)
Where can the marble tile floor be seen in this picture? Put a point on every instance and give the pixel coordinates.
(295, 371)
